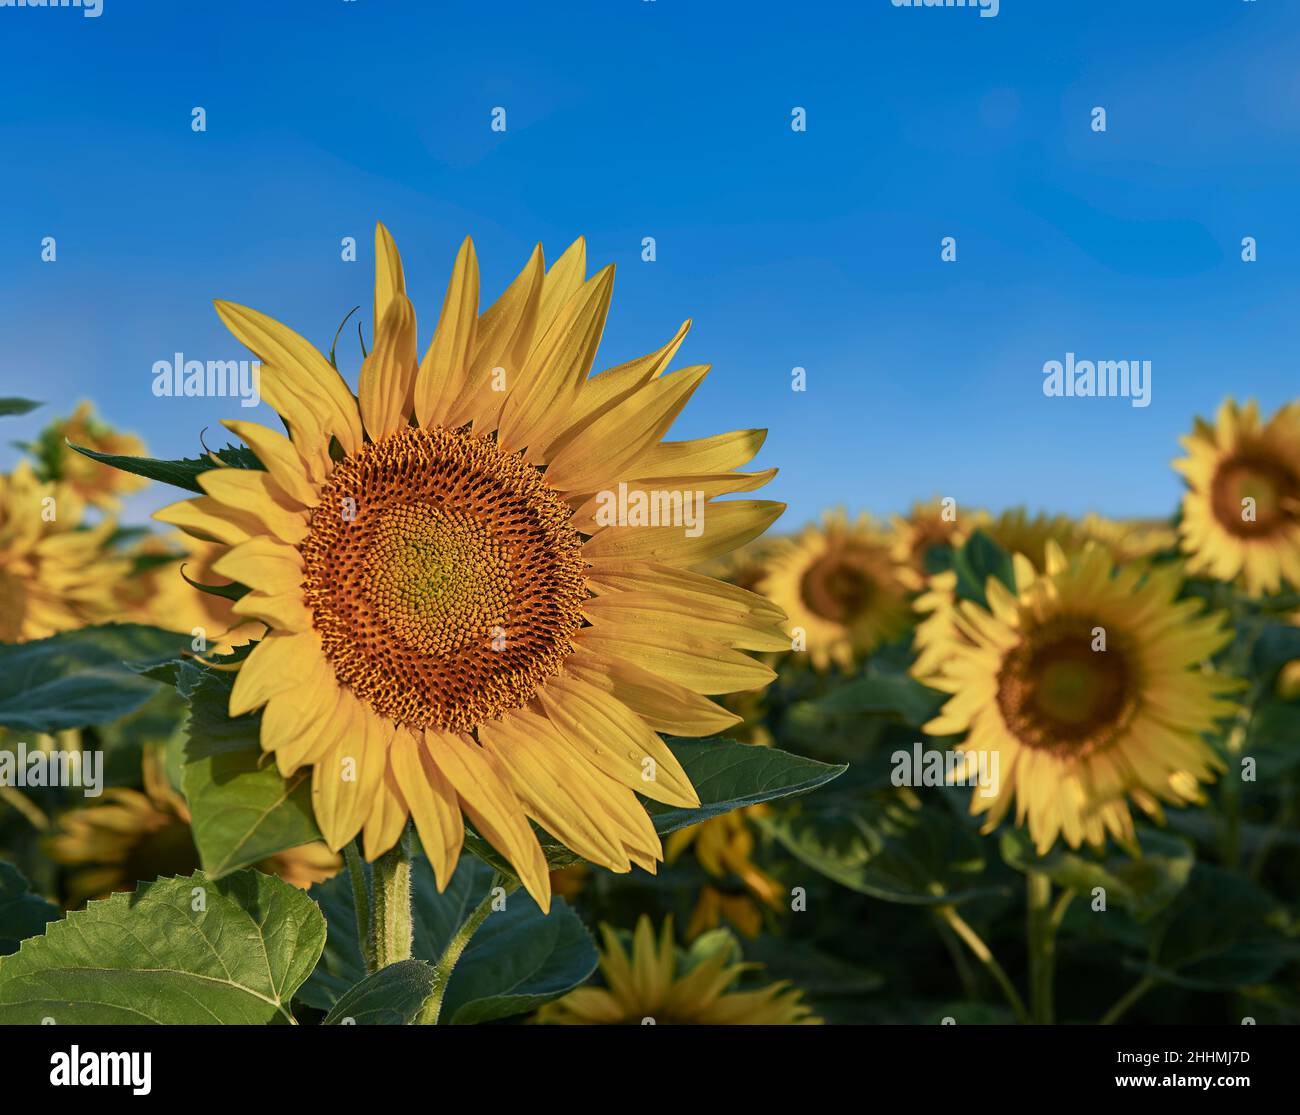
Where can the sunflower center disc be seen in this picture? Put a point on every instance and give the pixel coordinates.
(444, 578)
(839, 587)
(1058, 694)
(1274, 492)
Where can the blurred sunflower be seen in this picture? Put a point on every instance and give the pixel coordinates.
(724, 846)
(1018, 532)
(1129, 540)
(446, 607)
(55, 574)
(656, 983)
(1087, 685)
(928, 527)
(839, 586)
(133, 837)
(157, 592)
(97, 484)
(1241, 513)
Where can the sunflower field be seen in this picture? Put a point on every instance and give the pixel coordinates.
(469, 697)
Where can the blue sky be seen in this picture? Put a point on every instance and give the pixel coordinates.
(671, 119)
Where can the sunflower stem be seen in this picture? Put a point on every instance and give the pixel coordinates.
(1042, 945)
(432, 1008)
(389, 939)
(360, 894)
(985, 956)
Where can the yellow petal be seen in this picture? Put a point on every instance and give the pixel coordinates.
(602, 392)
(664, 705)
(442, 372)
(614, 739)
(280, 458)
(539, 402)
(503, 340)
(491, 804)
(433, 804)
(387, 817)
(255, 493)
(563, 281)
(344, 780)
(388, 373)
(205, 518)
(263, 564)
(720, 453)
(389, 279)
(277, 663)
(283, 612)
(553, 793)
(305, 371)
(728, 525)
(609, 446)
(700, 664)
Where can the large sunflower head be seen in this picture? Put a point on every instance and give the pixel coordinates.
(475, 574)
(97, 484)
(840, 587)
(1241, 513)
(1085, 687)
(56, 574)
(657, 984)
(129, 837)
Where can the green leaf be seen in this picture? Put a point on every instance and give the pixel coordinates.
(80, 678)
(884, 695)
(1219, 935)
(1144, 885)
(518, 959)
(392, 996)
(978, 560)
(10, 407)
(886, 849)
(726, 775)
(22, 913)
(152, 956)
(180, 474)
(242, 809)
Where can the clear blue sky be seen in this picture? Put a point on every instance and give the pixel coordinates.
(671, 119)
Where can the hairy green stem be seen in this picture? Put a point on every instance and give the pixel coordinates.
(389, 939)
(1042, 945)
(432, 1008)
(360, 894)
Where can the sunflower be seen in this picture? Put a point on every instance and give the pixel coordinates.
(840, 588)
(724, 846)
(658, 985)
(97, 484)
(928, 527)
(1086, 685)
(132, 837)
(55, 574)
(470, 607)
(1129, 540)
(1018, 532)
(1241, 513)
